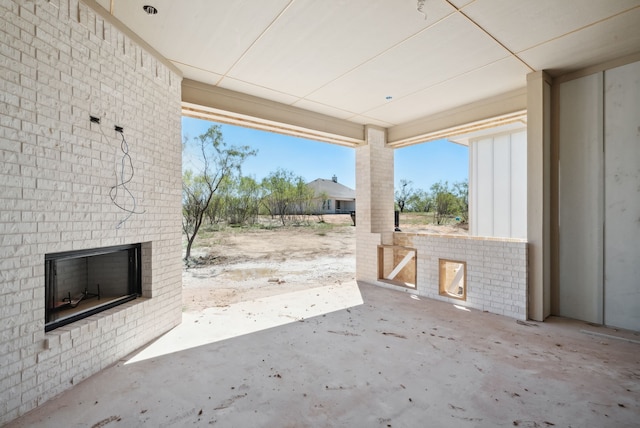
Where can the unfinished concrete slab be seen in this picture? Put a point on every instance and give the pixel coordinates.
(395, 360)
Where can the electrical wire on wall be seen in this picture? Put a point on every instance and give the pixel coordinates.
(124, 172)
(420, 7)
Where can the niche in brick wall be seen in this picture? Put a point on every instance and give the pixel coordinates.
(453, 279)
(397, 265)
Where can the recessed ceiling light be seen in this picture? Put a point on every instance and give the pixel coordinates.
(150, 9)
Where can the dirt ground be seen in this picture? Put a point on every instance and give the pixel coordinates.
(240, 264)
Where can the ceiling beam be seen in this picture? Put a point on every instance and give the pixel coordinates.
(501, 110)
(217, 104)
(209, 102)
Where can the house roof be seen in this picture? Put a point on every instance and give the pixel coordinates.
(332, 189)
(323, 69)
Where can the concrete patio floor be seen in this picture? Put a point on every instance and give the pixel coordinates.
(377, 357)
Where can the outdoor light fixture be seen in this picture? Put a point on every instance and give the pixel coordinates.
(150, 9)
(420, 6)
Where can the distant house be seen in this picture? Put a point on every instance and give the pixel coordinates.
(333, 197)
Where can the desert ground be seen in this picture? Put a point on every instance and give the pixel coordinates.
(234, 264)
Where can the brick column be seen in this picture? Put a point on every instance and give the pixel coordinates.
(374, 201)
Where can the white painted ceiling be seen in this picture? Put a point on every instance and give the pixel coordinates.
(380, 61)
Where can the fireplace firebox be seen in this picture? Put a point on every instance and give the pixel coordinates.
(79, 284)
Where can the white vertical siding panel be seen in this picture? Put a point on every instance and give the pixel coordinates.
(519, 185)
(581, 194)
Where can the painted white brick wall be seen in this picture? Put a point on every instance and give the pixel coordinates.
(496, 270)
(60, 62)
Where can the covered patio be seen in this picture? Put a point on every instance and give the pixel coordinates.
(88, 85)
(385, 359)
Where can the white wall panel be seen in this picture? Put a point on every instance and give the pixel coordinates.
(498, 186)
(484, 189)
(502, 186)
(581, 195)
(473, 195)
(519, 185)
(622, 197)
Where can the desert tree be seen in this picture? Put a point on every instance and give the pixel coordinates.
(277, 187)
(217, 210)
(403, 194)
(302, 197)
(461, 191)
(419, 201)
(219, 161)
(319, 203)
(446, 203)
(243, 201)
(286, 196)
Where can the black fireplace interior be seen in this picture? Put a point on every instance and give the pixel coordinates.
(79, 284)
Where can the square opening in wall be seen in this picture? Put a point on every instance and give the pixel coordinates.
(397, 265)
(453, 279)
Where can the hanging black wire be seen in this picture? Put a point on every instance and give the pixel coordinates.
(420, 7)
(124, 177)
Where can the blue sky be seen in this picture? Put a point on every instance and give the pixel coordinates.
(422, 164)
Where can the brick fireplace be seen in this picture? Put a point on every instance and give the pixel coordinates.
(64, 62)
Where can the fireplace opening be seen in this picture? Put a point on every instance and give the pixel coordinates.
(79, 284)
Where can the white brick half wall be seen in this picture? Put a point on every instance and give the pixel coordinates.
(62, 61)
(496, 270)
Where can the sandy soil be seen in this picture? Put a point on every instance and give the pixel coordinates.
(238, 265)
(234, 265)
